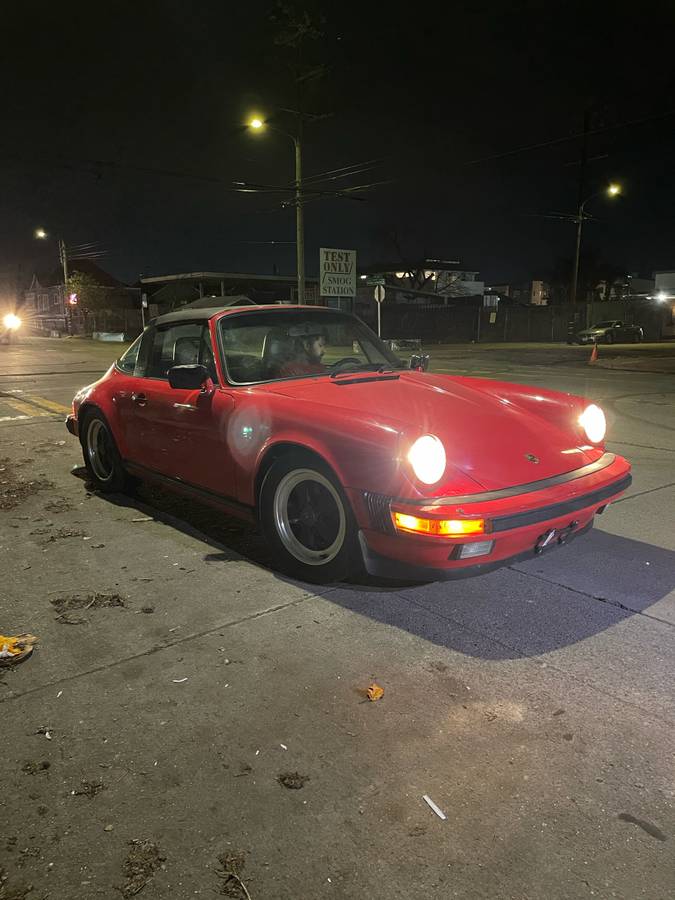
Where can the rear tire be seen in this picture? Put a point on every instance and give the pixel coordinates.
(308, 521)
(101, 456)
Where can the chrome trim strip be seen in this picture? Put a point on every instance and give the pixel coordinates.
(555, 510)
(605, 460)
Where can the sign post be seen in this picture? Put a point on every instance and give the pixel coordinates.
(379, 299)
(337, 272)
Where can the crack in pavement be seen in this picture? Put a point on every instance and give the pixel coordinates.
(643, 446)
(664, 720)
(615, 603)
(158, 649)
(642, 493)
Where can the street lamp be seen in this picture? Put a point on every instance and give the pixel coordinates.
(42, 235)
(258, 124)
(612, 190)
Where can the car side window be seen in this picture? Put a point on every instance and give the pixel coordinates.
(128, 360)
(174, 345)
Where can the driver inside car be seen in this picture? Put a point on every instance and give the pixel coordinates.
(310, 346)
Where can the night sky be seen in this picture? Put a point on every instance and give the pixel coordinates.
(433, 96)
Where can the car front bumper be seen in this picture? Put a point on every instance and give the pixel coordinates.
(71, 424)
(518, 520)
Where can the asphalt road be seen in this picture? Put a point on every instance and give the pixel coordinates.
(533, 705)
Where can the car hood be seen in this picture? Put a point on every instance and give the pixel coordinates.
(495, 440)
(588, 331)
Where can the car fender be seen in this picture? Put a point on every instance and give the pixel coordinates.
(361, 452)
(100, 395)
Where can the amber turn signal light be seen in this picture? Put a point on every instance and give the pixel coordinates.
(439, 527)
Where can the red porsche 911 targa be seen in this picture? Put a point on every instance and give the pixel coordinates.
(302, 421)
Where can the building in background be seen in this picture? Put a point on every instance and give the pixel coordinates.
(165, 292)
(45, 305)
(10, 289)
(426, 281)
(526, 293)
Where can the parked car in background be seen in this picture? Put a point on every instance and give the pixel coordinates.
(302, 421)
(613, 331)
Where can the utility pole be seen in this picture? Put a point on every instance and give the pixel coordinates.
(63, 256)
(580, 201)
(299, 213)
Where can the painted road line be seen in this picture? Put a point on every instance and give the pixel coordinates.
(27, 410)
(30, 403)
(14, 418)
(43, 403)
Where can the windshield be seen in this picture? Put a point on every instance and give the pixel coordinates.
(299, 343)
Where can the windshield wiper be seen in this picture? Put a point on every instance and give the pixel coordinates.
(365, 367)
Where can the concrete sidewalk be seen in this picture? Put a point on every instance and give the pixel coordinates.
(200, 704)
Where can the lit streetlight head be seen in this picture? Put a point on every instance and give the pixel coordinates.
(614, 190)
(256, 123)
(40, 234)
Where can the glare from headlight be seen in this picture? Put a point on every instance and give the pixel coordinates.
(11, 321)
(592, 420)
(427, 458)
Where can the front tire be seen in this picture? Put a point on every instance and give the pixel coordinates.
(101, 456)
(308, 521)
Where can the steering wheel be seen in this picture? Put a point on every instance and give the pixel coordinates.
(345, 361)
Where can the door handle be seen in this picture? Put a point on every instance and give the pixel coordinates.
(141, 399)
(184, 406)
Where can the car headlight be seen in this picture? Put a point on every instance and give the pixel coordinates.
(11, 322)
(592, 420)
(427, 458)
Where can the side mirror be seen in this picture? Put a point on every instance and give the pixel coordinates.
(419, 361)
(189, 378)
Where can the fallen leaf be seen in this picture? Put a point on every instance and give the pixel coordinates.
(374, 692)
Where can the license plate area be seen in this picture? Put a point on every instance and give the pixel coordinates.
(554, 537)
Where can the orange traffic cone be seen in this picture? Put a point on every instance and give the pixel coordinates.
(594, 355)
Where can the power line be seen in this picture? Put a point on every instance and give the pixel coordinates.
(572, 137)
(343, 171)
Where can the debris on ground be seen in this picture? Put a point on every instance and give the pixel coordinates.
(66, 533)
(59, 505)
(374, 692)
(438, 666)
(16, 893)
(140, 865)
(14, 490)
(292, 780)
(89, 789)
(15, 648)
(96, 600)
(46, 730)
(68, 619)
(32, 768)
(231, 867)
(147, 609)
(430, 803)
(647, 827)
